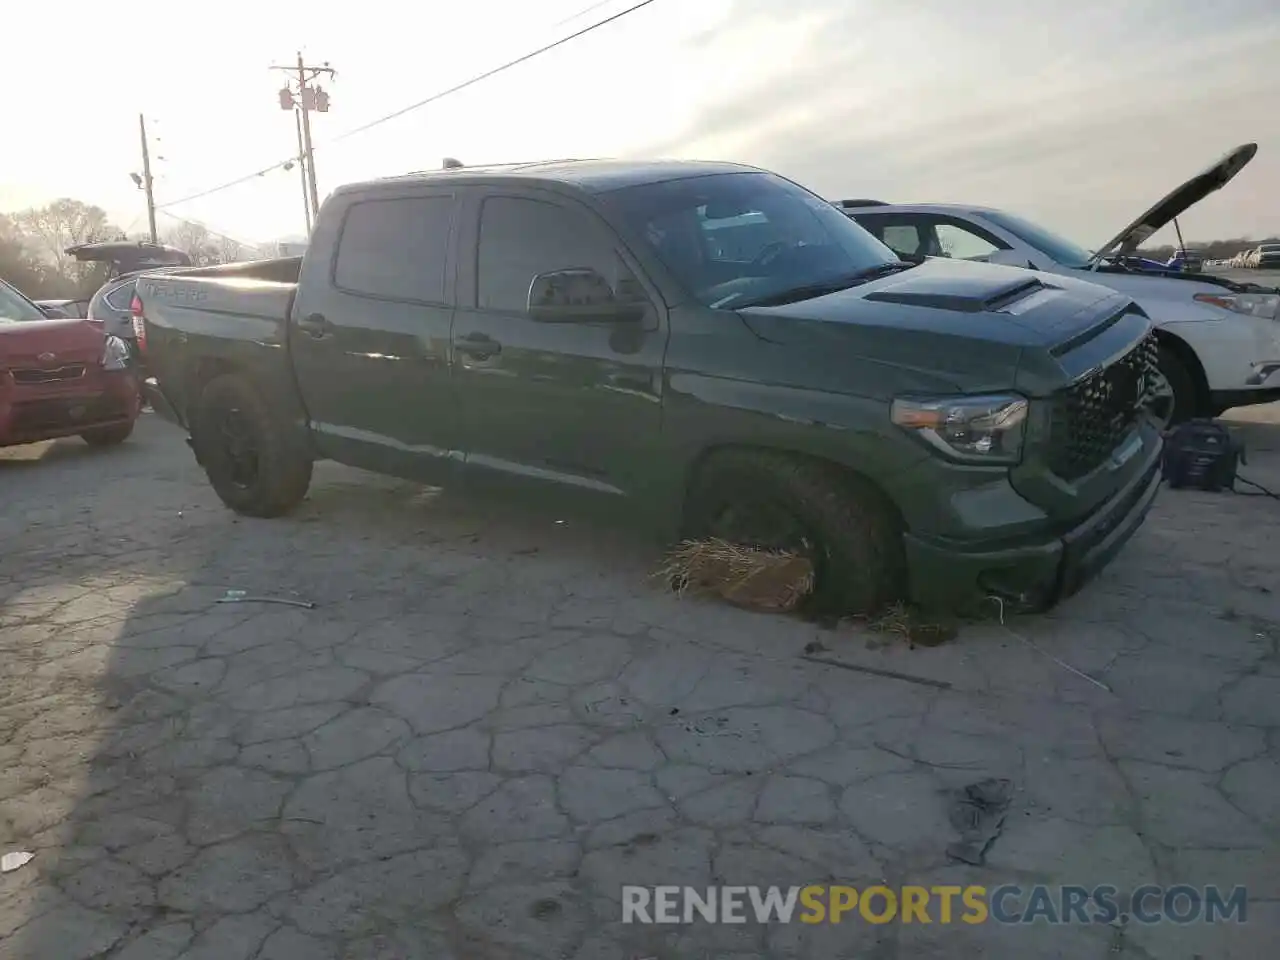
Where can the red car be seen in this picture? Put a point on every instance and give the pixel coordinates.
(61, 378)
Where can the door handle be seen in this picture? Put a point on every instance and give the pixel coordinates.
(316, 326)
(478, 346)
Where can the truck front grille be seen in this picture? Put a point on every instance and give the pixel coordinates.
(1094, 415)
(73, 371)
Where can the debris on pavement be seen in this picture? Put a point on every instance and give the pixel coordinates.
(12, 861)
(877, 671)
(766, 580)
(900, 620)
(978, 812)
(1046, 654)
(241, 596)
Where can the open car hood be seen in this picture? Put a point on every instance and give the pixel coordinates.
(130, 256)
(1177, 202)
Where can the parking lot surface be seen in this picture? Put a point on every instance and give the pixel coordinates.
(490, 721)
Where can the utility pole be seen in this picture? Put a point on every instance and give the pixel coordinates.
(303, 90)
(310, 96)
(146, 179)
(302, 169)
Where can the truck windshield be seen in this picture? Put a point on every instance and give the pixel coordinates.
(733, 238)
(1058, 249)
(15, 308)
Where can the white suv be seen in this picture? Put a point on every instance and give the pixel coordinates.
(1219, 340)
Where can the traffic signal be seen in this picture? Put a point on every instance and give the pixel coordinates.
(321, 101)
(286, 98)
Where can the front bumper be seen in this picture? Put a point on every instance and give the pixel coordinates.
(67, 409)
(1038, 571)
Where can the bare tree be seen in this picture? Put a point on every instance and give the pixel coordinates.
(204, 246)
(230, 251)
(49, 230)
(18, 264)
(195, 240)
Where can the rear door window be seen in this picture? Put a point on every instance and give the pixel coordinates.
(120, 297)
(899, 233)
(396, 249)
(931, 235)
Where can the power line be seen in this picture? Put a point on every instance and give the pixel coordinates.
(582, 13)
(429, 100)
(225, 186)
(495, 71)
(209, 230)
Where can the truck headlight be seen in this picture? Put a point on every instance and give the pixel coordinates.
(115, 354)
(985, 429)
(1265, 305)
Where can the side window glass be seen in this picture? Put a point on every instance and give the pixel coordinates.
(960, 244)
(120, 297)
(395, 249)
(521, 238)
(903, 239)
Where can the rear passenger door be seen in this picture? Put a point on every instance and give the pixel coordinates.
(574, 404)
(369, 334)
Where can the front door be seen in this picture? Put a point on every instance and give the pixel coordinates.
(575, 404)
(369, 334)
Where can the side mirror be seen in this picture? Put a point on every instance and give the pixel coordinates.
(1010, 258)
(579, 295)
(54, 313)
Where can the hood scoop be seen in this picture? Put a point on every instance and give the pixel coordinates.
(948, 295)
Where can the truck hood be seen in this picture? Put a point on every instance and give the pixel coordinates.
(49, 343)
(967, 324)
(973, 301)
(1177, 202)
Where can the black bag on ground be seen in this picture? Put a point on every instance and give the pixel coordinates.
(1201, 454)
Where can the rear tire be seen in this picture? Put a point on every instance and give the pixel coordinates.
(1187, 403)
(849, 529)
(252, 457)
(108, 436)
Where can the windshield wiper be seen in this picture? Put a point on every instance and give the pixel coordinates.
(809, 291)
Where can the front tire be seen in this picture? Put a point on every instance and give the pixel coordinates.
(250, 454)
(1184, 402)
(108, 436)
(844, 525)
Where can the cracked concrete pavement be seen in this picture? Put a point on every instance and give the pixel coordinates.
(491, 721)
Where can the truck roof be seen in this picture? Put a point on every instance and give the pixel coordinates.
(595, 176)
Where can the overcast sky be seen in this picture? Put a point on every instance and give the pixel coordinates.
(1078, 115)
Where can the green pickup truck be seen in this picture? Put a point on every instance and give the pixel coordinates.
(710, 347)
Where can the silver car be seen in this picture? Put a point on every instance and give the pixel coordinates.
(126, 260)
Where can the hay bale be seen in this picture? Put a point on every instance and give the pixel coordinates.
(766, 580)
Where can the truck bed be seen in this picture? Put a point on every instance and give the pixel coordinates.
(220, 301)
(233, 315)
